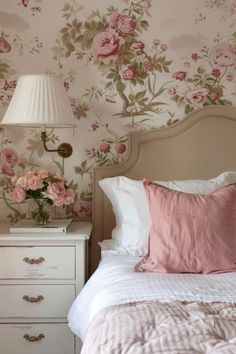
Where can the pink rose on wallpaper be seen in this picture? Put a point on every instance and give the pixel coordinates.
(163, 47)
(147, 4)
(229, 77)
(125, 25)
(222, 56)
(215, 95)
(107, 46)
(8, 170)
(146, 64)
(5, 46)
(83, 210)
(180, 75)
(216, 73)
(18, 194)
(128, 72)
(9, 156)
(114, 19)
(137, 47)
(105, 147)
(120, 148)
(172, 91)
(195, 95)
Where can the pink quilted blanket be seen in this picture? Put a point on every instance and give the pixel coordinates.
(154, 327)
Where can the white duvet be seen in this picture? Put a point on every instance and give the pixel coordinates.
(115, 282)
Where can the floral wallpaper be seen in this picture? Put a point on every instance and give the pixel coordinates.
(126, 65)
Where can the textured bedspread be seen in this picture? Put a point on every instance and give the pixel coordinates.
(154, 327)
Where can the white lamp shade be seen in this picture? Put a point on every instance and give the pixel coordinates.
(39, 100)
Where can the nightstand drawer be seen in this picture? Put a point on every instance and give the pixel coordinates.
(36, 339)
(37, 262)
(36, 300)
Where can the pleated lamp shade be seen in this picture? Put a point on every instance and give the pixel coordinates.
(39, 101)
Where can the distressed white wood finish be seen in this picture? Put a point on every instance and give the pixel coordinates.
(58, 279)
(52, 300)
(58, 339)
(57, 262)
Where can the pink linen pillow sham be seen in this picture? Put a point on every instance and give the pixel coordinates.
(191, 233)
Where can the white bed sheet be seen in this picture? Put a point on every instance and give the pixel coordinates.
(115, 282)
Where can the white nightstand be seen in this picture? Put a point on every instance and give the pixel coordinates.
(40, 275)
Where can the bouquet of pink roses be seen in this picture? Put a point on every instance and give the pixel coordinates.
(45, 188)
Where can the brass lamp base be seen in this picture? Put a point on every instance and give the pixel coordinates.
(65, 150)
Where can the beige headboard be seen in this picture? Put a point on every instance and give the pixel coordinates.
(198, 147)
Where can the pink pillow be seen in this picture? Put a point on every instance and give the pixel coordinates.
(191, 233)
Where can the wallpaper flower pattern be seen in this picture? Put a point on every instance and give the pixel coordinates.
(126, 66)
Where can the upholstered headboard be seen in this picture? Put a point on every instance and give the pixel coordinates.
(200, 146)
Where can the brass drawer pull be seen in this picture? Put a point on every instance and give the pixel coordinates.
(34, 261)
(33, 299)
(33, 338)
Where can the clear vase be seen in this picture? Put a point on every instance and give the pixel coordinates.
(41, 214)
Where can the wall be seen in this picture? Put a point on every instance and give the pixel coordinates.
(126, 66)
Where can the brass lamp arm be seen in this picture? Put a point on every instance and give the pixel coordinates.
(64, 150)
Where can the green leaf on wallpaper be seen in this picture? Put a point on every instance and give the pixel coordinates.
(86, 196)
(188, 109)
(120, 86)
(234, 35)
(111, 9)
(4, 67)
(59, 165)
(83, 168)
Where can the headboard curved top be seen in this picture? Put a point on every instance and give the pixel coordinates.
(200, 146)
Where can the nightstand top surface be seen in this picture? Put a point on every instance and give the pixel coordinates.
(78, 230)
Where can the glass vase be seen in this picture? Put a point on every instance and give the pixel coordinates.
(41, 214)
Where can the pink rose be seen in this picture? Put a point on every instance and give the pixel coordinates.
(83, 210)
(114, 19)
(222, 56)
(120, 148)
(105, 147)
(146, 64)
(229, 77)
(107, 46)
(156, 41)
(215, 95)
(8, 170)
(125, 25)
(18, 194)
(216, 73)
(4, 45)
(137, 47)
(172, 91)
(180, 75)
(56, 192)
(164, 47)
(14, 179)
(43, 174)
(66, 86)
(69, 196)
(9, 156)
(128, 72)
(33, 181)
(196, 96)
(194, 56)
(146, 4)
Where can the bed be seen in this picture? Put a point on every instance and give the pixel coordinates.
(121, 311)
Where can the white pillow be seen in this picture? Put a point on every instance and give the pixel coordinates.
(130, 206)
